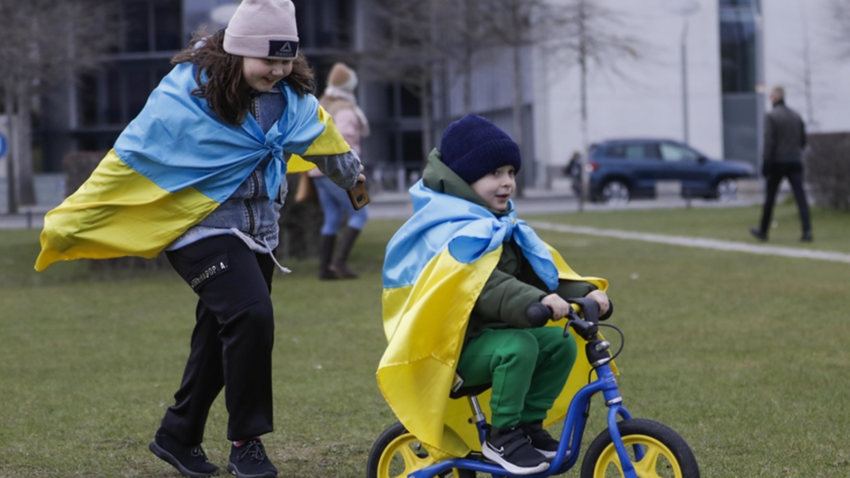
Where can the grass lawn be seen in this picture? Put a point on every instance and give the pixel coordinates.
(831, 228)
(744, 355)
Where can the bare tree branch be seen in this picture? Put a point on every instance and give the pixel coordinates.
(839, 13)
(45, 41)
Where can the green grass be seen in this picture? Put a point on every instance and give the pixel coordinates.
(733, 224)
(744, 355)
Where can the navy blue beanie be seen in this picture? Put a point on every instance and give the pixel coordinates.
(473, 147)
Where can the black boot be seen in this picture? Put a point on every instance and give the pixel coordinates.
(346, 242)
(326, 251)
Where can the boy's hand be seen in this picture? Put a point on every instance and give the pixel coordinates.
(560, 307)
(601, 298)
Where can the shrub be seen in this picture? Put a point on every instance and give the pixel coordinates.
(828, 169)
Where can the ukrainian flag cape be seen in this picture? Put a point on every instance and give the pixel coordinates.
(172, 166)
(435, 267)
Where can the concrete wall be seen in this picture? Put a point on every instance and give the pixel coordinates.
(643, 98)
(788, 24)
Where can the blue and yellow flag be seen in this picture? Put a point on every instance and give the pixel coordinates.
(172, 166)
(435, 267)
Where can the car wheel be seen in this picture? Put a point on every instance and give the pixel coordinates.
(726, 190)
(615, 192)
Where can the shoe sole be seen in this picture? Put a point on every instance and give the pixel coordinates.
(231, 468)
(171, 460)
(549, 455)
(510, 467)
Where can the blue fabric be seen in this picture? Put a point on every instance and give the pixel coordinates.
(468, 230)
(248, 209)
(178, 142)
(473, 147)
(336, 206)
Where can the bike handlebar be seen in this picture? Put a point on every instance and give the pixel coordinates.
(538, 314)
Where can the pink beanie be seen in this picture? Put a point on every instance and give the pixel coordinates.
(263, 29)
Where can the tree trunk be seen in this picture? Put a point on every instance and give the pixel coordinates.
(466, 67)
(425, 99)
(517, 121)
(582, 59)
(11, 152)
(467, 83)
(23, 133)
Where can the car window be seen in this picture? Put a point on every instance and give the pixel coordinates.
(672, 152)
(651, 151)
(627, 151)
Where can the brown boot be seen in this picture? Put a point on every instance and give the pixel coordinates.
(346, 242)
(326, 251)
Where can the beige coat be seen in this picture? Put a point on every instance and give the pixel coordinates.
(348, 118)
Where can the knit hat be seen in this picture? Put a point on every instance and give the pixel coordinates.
(263, 29)
(473, 147)
(342, 77)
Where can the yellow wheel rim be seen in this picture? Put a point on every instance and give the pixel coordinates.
(658, 461)
(403, 456)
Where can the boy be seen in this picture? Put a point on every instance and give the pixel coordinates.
(458, 279)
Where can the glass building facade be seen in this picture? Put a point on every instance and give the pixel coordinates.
(97, 107)
(740, 58)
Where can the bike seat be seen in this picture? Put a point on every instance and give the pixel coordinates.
(469, 391)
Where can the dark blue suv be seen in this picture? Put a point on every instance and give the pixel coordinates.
(624, 169)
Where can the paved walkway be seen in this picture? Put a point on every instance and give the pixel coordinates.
(701, 242)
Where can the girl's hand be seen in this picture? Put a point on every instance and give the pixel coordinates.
(360, 177)
(560, 307)
(601, 298)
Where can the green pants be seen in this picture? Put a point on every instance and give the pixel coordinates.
(527, 367)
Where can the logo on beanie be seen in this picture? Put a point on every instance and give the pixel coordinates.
(283, 49)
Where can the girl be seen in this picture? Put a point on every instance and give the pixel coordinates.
(339, 101)
(200, 174)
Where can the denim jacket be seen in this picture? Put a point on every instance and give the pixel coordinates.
(248, 213)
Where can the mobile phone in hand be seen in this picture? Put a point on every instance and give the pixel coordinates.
(358, 196)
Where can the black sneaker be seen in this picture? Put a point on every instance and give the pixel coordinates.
(250, 461)
(540, 439)
(758, 234)
(509, 448)
(807, 236)
(190, 460)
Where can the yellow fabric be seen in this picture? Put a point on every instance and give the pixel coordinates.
(118, 212)
(87, 225)
(329, 142)
(425, 326)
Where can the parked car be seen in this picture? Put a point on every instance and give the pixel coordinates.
(624, 169)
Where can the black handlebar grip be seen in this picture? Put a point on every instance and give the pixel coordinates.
(589, 308)
(538, 314)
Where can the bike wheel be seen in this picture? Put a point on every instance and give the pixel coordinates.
(664, 453)
(397, 453)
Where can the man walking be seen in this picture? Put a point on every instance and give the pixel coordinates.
(784, 140)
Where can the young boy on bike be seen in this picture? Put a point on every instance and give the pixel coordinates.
(458, 279)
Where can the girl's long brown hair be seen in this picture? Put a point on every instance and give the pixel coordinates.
(225, 90)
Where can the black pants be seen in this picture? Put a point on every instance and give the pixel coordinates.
(794, 173)
(232, 341)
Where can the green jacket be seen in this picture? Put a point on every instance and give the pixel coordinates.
(513, 285)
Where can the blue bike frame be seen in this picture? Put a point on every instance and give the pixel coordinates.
(570, 445)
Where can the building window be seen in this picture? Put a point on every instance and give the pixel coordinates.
(737, 46)
(325, 24)
(151, 25)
